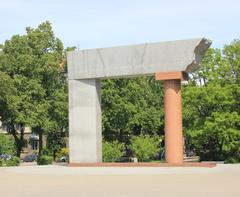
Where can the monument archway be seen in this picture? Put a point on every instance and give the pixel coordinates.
(168, 61)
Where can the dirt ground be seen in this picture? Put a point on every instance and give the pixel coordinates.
(60, 181)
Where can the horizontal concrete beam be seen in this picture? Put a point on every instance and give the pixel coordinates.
(134, 60)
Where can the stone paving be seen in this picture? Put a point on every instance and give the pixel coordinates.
(43, 181)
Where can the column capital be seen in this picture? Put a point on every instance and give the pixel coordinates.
(171, 75)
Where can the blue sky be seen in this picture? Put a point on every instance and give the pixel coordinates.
(103, 23)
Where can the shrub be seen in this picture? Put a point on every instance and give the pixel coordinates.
(46, 151)
(113, 151)
(145, 147)
(55, 142)
(14, 161)
(1, 162)
(44, 160)
(64, 152)
(7, 145)
(231, 160)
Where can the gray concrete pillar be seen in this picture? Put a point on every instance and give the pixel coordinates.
(85, 131)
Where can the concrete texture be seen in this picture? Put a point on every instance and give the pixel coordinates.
(41, 181)
(133, 60)
(85, 132)
(86, 67)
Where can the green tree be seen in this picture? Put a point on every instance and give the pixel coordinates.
(131, 107)
(32, 61)
(211, 105)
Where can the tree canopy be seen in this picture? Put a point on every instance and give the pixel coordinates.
(31, 62)
(211, 105)
(131, 107)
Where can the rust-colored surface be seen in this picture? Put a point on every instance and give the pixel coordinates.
(144, 164)
(173, 121)
(171, 75)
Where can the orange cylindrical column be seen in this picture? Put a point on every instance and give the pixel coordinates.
(173, 121)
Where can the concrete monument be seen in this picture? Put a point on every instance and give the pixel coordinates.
(168, 61)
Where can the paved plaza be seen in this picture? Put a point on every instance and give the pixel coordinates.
(61, 181)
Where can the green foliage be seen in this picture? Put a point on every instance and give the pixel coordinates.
(218, 139)
(145, 147)
(113, 151)
(14, 161)
(31, 66)
(232, 160)
(131, 107)
(7, 145)
(44, 160)
(55, 142)
(64, 152)
(212, 106)
(46, 151)
(8, 98)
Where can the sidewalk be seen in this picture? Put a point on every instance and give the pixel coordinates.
(43, 181)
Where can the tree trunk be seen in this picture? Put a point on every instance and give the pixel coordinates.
(22, 129)
(19, 141)
(54, 155)
(40, 134)
(18, 145)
